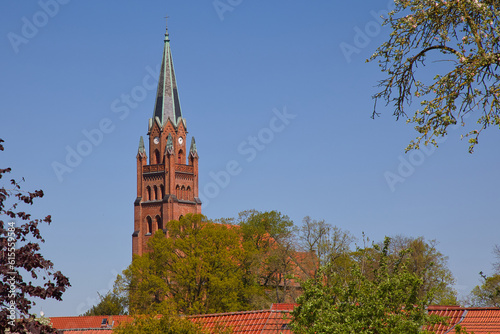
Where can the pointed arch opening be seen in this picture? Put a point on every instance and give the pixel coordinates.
(149, 227)
(159, 223)
(162, 191)
(188, 194)
(148, 193)
(178, 192)
(155, 192)
(180, 157)
(156, 157)
(183, 192)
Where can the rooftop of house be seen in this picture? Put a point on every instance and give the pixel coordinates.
(480, 320)
(262, 322)
(89, 324)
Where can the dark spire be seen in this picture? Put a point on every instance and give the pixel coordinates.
(142, 149)
(193, 150)
(167, 98)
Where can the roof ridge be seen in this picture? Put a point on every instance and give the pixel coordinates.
(237, 312)
(461, 308)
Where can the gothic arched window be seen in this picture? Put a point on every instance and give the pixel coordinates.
(162, 191)
(148, 193)
(179, 157)
(150, 225)
(157, 158)
(159, 223)
(155, 192)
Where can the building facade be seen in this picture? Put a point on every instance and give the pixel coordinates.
(167, 172)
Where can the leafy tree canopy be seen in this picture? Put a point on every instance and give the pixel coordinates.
(388, 301)
(331, 249)
(270, 250)
(430, 265)
(324, 244)
(488, 293)
(112, 303)
(166, 323)
(196, 270)
(463, 35)
(24, 272)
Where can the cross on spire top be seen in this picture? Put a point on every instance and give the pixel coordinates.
(166, 29)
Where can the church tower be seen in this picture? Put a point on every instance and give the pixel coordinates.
(167, 181)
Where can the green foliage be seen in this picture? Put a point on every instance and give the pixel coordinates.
(268, 242)
(252, 261)
(460, 330)
(110, 304)
(430, 265)
(158, 324)
(324, 244)
(464, 37)
(488, 293)
(330, 247)
(195, 270)
(388, 301)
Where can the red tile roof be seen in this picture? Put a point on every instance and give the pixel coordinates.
(250, 322)
(88, 322)
(476, 320)
(283, 307)
(275, 320)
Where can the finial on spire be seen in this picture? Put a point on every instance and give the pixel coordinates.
(167, 38)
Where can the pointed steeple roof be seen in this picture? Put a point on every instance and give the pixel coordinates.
(167, 97)
(142, 149)
(192, 149)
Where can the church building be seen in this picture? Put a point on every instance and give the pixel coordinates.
(167, 181)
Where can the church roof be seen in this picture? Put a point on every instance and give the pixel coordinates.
(167, 104)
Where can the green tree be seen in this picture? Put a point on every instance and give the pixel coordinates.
(323, 244)
(196, 269)
(486, 294)
(158, 324)
(463, 35)
(268, 241)
(331, 246)
(112, 303)
(386, 302)
(24, 273)
(430, 265)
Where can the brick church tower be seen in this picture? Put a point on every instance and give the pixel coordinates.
(167, 182)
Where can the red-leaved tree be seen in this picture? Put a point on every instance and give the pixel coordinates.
(24, 272)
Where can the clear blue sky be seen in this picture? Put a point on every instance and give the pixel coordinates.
(61, 77)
